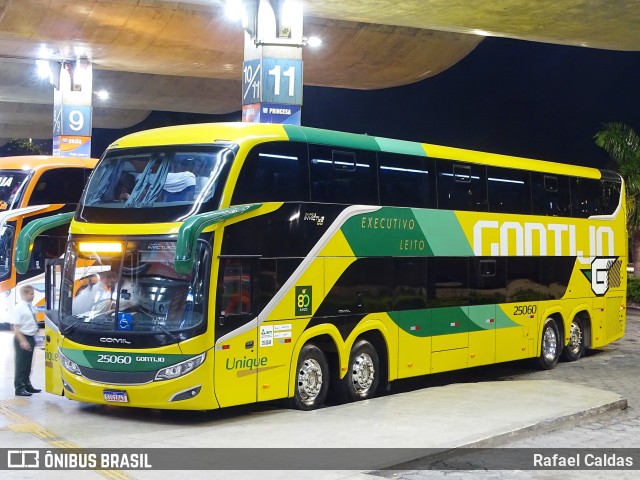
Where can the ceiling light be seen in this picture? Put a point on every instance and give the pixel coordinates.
(43, 68)
(314, 42)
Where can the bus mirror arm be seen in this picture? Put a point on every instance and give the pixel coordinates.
(193, 227)
(28, 235)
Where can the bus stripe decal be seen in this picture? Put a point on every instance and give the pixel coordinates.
(345, 215)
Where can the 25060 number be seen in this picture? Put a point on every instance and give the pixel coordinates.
(524, 309)
(122, 359)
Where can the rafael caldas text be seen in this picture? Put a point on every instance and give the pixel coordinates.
(587, 460)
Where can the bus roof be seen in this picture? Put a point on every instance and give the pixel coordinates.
(44, 162)
(208, 133)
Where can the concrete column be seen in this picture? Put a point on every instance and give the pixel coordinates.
(272, 68)
(72, 110)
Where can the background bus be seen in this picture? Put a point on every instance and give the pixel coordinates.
(32, 187)
(289, 262)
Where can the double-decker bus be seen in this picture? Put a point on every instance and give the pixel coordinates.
(222, 264)
(32, 187)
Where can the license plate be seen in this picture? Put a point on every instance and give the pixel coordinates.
(119, 396)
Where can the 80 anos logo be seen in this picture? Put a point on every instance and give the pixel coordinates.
(303, 301)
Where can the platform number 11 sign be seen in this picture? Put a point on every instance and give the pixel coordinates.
(272, 80)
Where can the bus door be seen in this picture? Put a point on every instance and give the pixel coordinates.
(52, 339)
(236, 345)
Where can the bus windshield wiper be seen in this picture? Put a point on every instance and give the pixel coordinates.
(71, 327)
(164, 330)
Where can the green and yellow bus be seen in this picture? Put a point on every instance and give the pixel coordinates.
(224, 264)
(31, 187)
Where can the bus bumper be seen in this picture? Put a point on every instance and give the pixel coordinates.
(184, 393)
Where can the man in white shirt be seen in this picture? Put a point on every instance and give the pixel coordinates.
(25, 327)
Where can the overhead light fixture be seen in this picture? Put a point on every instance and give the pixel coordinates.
(234, 10)
(79, 72)
(43, 63)
(102, 94)
(314, 42)
(43, 68)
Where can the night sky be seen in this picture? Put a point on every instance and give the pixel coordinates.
(513, 97)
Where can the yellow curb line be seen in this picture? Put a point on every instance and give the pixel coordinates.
(23, 424)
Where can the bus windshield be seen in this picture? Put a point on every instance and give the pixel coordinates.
(135, 291)
(159, 184)
(10, 188)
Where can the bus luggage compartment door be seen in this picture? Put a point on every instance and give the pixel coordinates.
(52, 367)
(52, 339)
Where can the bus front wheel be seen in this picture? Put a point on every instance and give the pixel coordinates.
(575, 348)
(551, 345)
(363, 376)
(312, 379)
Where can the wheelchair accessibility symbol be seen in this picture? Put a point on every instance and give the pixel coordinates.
(125, 321)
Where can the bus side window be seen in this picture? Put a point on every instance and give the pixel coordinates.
(487, 280)
(447, 281)
(235, 298)
(410, 283)
(273, 172)
(585, 197)
(6, 249)
(407, 180)
(62, 185)
(461, 186)
(550, 195)
(343, 175)
(364, 287)
(523, 280)
(509, 190)
(610, 195)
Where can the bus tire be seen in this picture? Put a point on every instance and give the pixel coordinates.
(550, 345)
(363, 376)
(312, 379)
(575, 348)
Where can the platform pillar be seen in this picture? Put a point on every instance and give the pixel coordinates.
(272, 68)
(72, 108)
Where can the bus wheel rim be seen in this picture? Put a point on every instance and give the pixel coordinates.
(575, 338)
(362, 373)
(549, 344)
(309, 380)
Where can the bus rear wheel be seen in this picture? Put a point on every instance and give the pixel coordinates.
(363, 376)
(551, 345)
(575, 348)
(312, 379)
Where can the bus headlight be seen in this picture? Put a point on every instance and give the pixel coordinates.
(70, 365)
(179, 369)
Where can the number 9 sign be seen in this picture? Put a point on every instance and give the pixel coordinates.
(75, 120)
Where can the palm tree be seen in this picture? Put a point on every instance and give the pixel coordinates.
(622, 144)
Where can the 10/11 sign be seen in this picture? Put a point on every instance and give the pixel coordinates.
(272, 80)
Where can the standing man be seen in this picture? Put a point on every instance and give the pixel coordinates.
(25, 328)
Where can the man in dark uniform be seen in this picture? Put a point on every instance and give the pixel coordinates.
(25, 327)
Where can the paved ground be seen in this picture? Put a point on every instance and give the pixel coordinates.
(615, 367)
